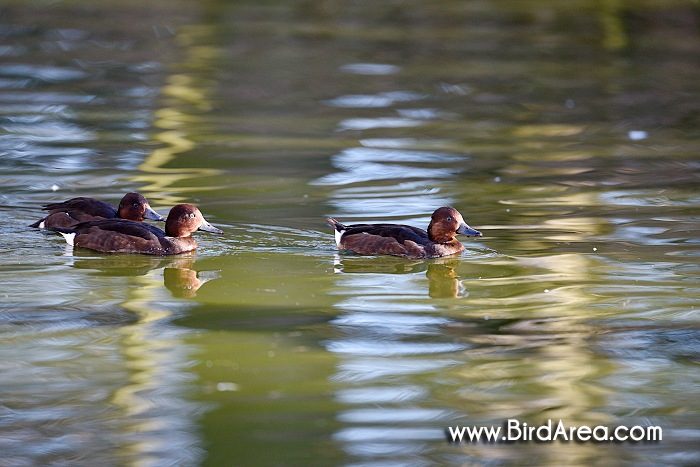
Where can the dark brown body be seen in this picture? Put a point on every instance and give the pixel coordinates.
(124, 236)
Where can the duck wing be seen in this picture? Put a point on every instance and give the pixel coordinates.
(385, 239)
(118, 226)
(400, 233)
(82, 205)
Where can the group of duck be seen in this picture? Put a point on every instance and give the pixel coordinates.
(96, 225)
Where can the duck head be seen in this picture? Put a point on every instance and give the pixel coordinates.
(135, 207)
(184, 219)
(445, 223)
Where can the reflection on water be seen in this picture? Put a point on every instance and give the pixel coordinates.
(389, 334)
(443, 280)
(568, 135)
(184, 282)
(370, 164)
(179, 277)
(386, 331)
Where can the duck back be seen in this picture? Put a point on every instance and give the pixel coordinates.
(73, 211)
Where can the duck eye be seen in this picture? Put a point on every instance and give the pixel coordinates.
(449, 218)
(191, 215)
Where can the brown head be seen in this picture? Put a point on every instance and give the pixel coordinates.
(135, 207)
(184, 219)
(445, 223)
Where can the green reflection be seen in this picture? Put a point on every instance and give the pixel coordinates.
(186, 98)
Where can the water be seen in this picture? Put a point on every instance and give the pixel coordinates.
(566, 132)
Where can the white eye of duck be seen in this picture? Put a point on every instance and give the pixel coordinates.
(449, 218)
(191, 215)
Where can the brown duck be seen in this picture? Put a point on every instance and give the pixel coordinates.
(405, 240)
(132, 206)
(125, 236)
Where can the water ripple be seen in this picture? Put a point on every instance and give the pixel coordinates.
(392, 415)
(381, 394)
(50, 132)
(370, 69)
(43, 72)
(392, 323)
(42, 97)
(371, 164)
(379, 122)
(352, 156)
(363, 347)
(380, 433)
(363, 369)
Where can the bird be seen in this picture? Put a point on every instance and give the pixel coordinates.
(132, 206)
(405, 240)
(126, 236)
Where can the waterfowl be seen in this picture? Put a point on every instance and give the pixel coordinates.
(405, 240)
(132, 206)
(126, 236)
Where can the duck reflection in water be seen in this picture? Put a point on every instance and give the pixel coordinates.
(184, 282)
(443, 280)
(179, 275)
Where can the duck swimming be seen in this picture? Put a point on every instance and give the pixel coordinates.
(126, 236)
(405, 240)
(132, 206)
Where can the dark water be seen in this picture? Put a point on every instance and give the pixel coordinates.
(566, 131)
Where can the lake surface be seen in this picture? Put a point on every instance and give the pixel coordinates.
(567, 132)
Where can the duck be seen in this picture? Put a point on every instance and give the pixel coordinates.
(127, 236)
(405, 240)
(132, 206)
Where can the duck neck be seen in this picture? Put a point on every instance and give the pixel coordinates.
(436, 236)
(174, 229)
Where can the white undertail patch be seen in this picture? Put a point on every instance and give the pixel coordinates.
(70, 238)
(338, 236)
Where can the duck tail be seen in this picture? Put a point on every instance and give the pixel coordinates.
(339, 230)
(68, 235)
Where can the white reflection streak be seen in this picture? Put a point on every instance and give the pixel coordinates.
(381, 347)
(369, 171)
(367, 369)
(382, 122)
(374, 347)
(381, 394)
(367, 164)
(370, 69)
(374, 100)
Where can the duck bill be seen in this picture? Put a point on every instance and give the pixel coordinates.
(207, 227)
(464, 229)
(151, 214)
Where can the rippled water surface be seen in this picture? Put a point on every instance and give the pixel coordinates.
(567, 132)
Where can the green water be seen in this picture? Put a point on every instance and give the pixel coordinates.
(566, 132)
